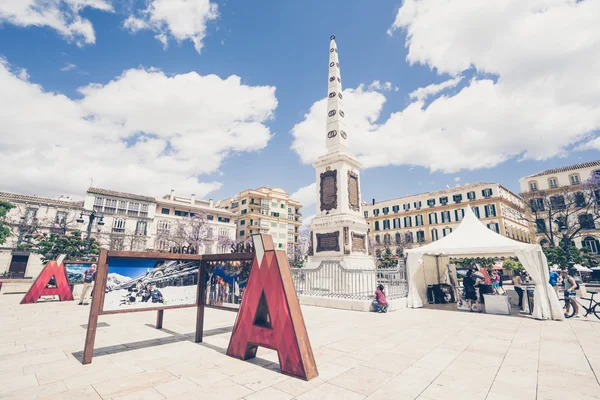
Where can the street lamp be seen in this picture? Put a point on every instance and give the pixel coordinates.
(562, 226)
(92, 216)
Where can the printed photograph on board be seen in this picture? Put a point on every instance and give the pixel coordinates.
(225, 282)
(76, 272)
(145, 283)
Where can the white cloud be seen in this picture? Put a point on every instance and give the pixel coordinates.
(180, 19)
(143, 132)
(376, 85)
(535, 94)
(64, 16)
(457, 179)
(433, 89)
(306, 195)
(68, 67)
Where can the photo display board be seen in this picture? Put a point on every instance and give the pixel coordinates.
(157, 282)
(225, 282)
(76, 270)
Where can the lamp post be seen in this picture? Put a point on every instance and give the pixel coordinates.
(562, 227)
(92, 216)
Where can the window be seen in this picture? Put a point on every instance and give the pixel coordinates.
(274, 204)
(385, 210)
(486, 193)
(210, 217)
(444, 200)
(494, 227)
(407, 222)
(387, 239)
(180, 213)
(110, 206)
(406, 206)
(398, 251)
(540, 225)
(386, 224)
(378, 252)
(134, 209)
(144, 210)
(395, 208)
(223, 219)
(243, 222)
(244, 211)
(282, 235)
(591, 244)
(119, 225)
(536, 205)
(476, 211)
(398, 238)
(579, 199)
(377, 239)
(397, 224)
(408, 237)
(557, 202)
(490, 210)
(376, 225)
(417, 205)
(597, 196)
(533, 187)
(61, 217)
(141, 228)
(459, 215)
(235, 204)
(366, 213)
(242, 233)
(375, 212)
(433, 218)
(418, 220)
(446, 231)
(165, 211)
(122, 207)
(164, 226)
(457, 198)
(445, 216)
(574, 179)
(420, 236)
(98, 203)
(586, 221)
(282, 205)
(434, 235)
(431, 202)
(471, 195)
(244, 201)
(553, 183)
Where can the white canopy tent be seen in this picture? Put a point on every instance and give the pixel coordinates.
(472, 238)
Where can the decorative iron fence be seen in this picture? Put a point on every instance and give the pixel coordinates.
(330, 279)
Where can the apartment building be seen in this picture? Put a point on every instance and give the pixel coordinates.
(216, 225)
(266, 210)
(416, 220)
(550, 187)
(31, 215)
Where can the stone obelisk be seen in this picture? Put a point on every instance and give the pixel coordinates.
(339, 229)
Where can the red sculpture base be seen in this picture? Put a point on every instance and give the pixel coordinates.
(270, 314)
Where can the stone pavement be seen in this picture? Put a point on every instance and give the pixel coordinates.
(408, 354)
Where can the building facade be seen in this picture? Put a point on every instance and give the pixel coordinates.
(33, 215)
(566, 183)
(416, 220)
(266, 210)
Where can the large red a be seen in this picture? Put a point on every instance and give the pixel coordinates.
(39, 289)
(270, 314)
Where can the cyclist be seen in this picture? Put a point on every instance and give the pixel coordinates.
(570, 287)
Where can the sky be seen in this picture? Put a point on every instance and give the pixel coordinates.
(213, 97)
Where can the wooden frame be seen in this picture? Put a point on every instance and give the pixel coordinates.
(97, 305)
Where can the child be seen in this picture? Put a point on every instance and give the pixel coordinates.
(380, 303)
(495, 282)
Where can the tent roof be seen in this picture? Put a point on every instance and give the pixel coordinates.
(472, 237)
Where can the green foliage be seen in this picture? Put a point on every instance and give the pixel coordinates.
(5, 207)
(50, 246)
(512, 266)
(588, 259)
(557, 255)
(386, 260)
(485, 262)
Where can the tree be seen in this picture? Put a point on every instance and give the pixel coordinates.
(558, 256)
(51, 245)
(468, 262)
(512, 266)
(387, 260)
(5, 231)
(189, 232)
(298, 257)
(562, 214)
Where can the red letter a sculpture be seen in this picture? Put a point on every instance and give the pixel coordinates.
(270, 314)
(38, 289)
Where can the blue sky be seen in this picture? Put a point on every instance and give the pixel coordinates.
(510, 111)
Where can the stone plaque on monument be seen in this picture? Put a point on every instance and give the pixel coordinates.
(329, 190)
(353, 191)
(328, 241)
(359, 242)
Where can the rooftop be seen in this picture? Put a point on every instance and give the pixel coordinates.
(42, 200)
(574, 167)
(123, 195)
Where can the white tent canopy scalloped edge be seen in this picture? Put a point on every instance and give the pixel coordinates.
(472, 238)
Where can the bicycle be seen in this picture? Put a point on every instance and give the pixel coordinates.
(569, 308)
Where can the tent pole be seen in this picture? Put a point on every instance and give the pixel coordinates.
(437, 268)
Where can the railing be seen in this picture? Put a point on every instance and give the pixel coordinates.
(330, 279)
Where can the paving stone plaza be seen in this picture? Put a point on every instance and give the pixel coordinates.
(406, 354)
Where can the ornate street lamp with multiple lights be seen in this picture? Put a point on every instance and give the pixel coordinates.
(563, 227)
(92, 216)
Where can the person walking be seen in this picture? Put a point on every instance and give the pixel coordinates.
(517, 283)
(469, 282)
(89, 277)
(570, 287)
(554, 281)
(380, 303)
